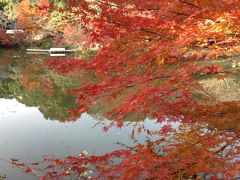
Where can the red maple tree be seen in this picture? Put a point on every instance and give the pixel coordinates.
(152, 56)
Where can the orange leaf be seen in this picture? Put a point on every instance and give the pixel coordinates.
(139, 130)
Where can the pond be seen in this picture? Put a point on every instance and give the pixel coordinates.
(34, 122)
(33, 103)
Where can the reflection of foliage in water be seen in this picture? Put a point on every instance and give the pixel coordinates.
(32, 84)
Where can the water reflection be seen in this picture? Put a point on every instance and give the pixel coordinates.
(26, 79)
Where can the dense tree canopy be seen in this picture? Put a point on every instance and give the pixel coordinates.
(160, 48)
(154, 56)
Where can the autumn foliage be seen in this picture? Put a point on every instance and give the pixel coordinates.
(151, 56)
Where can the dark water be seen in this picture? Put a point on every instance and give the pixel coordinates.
(33, 104)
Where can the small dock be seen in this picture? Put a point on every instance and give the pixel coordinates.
(51, 51)
(11, 32)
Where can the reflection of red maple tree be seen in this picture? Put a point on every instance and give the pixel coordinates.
(32, 82)
(151, 56)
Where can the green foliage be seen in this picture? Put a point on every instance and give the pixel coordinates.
(9, 7)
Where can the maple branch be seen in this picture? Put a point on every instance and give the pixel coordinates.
(34, 173)
(128, 86)
(221, 149)
(190, 4)
(124, 25)
(179, 13)
(148, 9)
